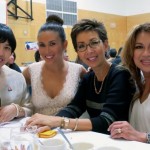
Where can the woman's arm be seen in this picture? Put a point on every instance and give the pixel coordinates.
(27, 76)
(127, 132)
(25, 107)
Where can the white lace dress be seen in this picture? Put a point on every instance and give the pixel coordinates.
(41, 101)
(140, 115)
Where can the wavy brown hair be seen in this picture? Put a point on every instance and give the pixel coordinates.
(127, 56)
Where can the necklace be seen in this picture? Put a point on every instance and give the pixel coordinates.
(98, 91)
(106, 72)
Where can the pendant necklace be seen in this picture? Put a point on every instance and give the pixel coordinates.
(96, 90)
(100, 89)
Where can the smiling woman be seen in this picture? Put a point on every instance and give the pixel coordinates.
(50, 79)
(136, 57)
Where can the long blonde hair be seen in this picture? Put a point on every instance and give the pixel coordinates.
(127, 56)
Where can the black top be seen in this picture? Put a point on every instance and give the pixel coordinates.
(14, 66)
(110, 105)
(117, 60)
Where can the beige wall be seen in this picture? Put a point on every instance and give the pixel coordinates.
(116, 35)
(30, 27)
(137, 19)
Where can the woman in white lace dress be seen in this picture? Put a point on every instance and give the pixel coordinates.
(136, 56)
(54, 81)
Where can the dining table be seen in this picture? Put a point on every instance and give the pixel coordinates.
(98, 140)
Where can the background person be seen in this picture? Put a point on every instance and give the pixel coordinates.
(11, 63)
(14, 98)
(112, 55)
(101, 92)
(136, 57)
(117, 59)
(37, 56)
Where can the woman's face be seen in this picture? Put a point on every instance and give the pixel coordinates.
(94, 54)
(142, 52)
(5, 52)
(51, 47)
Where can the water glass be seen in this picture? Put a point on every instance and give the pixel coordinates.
(22, 138)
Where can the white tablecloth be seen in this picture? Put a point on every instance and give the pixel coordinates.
(97, 139)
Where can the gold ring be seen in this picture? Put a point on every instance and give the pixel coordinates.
(119, 130)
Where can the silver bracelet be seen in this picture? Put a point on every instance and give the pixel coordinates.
(17, 110)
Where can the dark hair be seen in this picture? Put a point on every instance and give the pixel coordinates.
(54, 23)
(112, 52)
(119, 51)
(55, 19)
(6, 34)
(37, 56)
(88, 25)
(14, 56)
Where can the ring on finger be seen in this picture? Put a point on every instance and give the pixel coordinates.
(119, 130)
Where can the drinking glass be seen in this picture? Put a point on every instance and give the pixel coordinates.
(22, 138)
(5, 138)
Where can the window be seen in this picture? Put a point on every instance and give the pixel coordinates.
(65, 9)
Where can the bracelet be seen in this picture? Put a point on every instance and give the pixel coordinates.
(76, 125)
(17, 112)
(18, 108)
(62, 124)
(65, 122)
(148, 137)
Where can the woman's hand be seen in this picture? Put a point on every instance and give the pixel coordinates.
(43, 122)
(122, 129)
(7, 113)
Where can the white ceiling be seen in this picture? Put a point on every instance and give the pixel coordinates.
(119, 7)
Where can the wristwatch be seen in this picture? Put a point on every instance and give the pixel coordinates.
(148, 137)
(65, 122)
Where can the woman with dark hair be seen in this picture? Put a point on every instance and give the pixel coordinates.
(54, 81)
(105, 92)
(14, 98)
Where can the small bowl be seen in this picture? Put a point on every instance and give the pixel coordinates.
(53, 144)
(83, 146)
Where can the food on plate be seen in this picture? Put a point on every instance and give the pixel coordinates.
(47, 134)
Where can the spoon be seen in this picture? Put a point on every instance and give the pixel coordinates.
(63, 135)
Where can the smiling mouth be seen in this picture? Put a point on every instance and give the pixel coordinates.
(92, 58)
(49, 57)
(145, 62)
